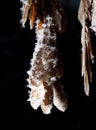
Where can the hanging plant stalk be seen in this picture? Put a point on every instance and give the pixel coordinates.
(87, 18)
(46, 67)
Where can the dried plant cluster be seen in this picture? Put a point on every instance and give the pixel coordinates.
(46, 67)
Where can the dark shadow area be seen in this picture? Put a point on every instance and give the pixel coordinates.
(16, 49)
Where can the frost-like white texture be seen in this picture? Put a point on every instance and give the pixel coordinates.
(43, 60)
(44, 71)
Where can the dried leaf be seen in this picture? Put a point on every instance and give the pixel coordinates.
(26, 4)
(32, 15)
(59, 98)
(93, 10)
(47, 103)
(84, 16)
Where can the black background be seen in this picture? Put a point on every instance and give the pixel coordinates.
(16, 48)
